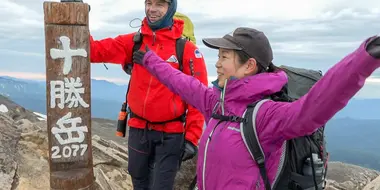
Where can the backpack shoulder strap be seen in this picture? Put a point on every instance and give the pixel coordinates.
(180, 48)
(137, 39)
(249, 135)
(137, 42)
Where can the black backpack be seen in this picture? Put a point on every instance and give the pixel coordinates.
(303, 165)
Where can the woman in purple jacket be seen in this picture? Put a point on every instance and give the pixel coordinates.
(246, 74)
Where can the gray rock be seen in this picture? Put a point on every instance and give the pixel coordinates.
(373, 185)
(346, 176)
(9, 137)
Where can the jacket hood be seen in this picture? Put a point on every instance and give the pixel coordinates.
(188, 30)
(171, 32)
(167, 20)
(238, 93)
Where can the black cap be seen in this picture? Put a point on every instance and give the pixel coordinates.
(251, 41)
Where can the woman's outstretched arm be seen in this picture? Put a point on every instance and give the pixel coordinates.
(191, 90)
(328, 96)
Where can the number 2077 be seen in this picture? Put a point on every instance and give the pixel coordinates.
(68, 151)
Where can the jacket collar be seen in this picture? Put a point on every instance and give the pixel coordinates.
(172, 32)
(241, 92)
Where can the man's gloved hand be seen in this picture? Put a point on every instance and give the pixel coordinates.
(190, 150)
(138, 56)
(373, 47)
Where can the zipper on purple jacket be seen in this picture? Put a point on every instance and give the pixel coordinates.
(221, 104)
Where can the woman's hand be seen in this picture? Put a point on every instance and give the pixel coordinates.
(138, 56)
(373, 47)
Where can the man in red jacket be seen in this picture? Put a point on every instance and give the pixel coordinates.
(159, 136)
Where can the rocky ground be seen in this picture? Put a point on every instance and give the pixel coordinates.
(24, 154)
(343, 176)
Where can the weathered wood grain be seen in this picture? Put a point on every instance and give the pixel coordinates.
(66, 13)
(68, 88)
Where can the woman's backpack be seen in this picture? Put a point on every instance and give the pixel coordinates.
(303, 164)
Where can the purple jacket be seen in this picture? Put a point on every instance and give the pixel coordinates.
(224, 161)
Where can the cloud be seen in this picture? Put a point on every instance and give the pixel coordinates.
(22, 53)
(371, 89)
(291, 9)
(313, 48)
(373, 80)
(313, 34)
(114, 80)
(42, 76)
(294, 26)
(126, 80)
(20, 19)
(24, 75)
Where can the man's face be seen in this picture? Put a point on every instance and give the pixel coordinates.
(156, 9)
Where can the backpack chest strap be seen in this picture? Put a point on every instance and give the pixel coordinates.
(231, 118)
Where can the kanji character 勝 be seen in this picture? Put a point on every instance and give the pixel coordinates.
(72, 87)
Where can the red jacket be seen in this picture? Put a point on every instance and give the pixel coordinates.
(147, 97)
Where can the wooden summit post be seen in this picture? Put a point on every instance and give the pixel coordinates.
(68, 95)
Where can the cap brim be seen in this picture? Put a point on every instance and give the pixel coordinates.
(216, 43)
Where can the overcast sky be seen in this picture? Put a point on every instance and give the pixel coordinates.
(312, 34)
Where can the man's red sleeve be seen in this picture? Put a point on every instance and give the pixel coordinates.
(194, 64)
(111, 50)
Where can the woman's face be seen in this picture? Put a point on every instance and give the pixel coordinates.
(228, 65)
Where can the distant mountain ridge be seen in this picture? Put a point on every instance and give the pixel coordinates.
(99, 88)
(106, 97)
(354, 141)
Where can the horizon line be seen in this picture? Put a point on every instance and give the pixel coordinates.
(118, 81)
(42, 77)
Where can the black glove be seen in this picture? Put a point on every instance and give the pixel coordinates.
(190, 150)
(373, 47)
(138, 56)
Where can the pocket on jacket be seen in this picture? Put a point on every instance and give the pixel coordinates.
(138, 153)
